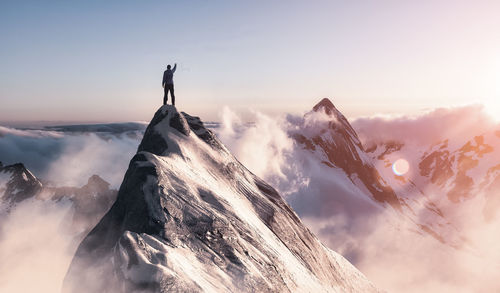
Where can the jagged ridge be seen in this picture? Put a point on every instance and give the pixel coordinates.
(190, 217)
(336, 144)
(19, 183)
(340, 144)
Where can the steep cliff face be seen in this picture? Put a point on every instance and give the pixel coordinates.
(327, 136)
(17, 184)
(190, 218)
(339, 146)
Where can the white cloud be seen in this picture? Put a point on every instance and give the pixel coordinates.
(35, 247)
(38, 238)
(390, 255)
(428, 128)
(382, 244)
(70, 158)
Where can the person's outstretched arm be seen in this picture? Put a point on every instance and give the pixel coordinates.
(175, 67)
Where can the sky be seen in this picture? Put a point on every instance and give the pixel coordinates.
(97, 61)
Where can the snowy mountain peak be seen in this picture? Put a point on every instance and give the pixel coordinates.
(190, 217)
(17, 183)
(326, 105)
(337, 122)
(167, 119)
(337, 145)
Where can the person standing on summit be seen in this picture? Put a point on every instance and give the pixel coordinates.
(168, 83)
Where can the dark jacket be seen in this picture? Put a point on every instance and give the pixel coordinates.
(168, 76)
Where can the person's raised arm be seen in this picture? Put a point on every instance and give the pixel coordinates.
(175, 67)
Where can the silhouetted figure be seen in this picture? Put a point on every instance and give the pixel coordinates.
(168, 84)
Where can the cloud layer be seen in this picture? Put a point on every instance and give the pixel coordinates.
(37, 241)
(379, 242)
(385, 248)
(69, 158)
(427, 128)
(35, 247)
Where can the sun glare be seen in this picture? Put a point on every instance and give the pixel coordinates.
(400, 167)
(492, 108)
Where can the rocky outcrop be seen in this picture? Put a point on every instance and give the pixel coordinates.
(190, 218)
(89, 202)
(17, 184)
(340, 146)
(327, 136)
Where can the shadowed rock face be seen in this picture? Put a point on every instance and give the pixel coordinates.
(342, 148)
(465, 170)
(89, 202)
(18, 184)
(190, 218)
(326, 135)
(441, 165)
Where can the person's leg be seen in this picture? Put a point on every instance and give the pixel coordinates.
(165, 96)
(172, 94)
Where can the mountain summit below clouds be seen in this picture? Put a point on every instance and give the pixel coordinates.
(190, 218)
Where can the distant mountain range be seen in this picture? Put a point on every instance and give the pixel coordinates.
(190, 216)
(333, 142)
(89, 202)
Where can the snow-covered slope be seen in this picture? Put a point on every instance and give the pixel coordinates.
(337, 145)
(327, 136)
(190, 218)
(17, 184)
(458, 171)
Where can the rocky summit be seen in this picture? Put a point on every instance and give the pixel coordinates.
(189, 217)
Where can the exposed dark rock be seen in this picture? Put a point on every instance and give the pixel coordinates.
(90, 202)
(343, 149)
(179, 123)
(201, 211)
(21, 185)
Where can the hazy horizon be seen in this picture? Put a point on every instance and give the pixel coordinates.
(248, 115)
(406, 187)
(98, 61)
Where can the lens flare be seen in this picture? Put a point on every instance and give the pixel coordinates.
(400, 167)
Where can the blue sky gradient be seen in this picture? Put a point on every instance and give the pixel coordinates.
(103, 61)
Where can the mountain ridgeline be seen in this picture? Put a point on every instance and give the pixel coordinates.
(334, 143)
(189, 217)
(17, 184)
(340, 144)
(89, 203)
